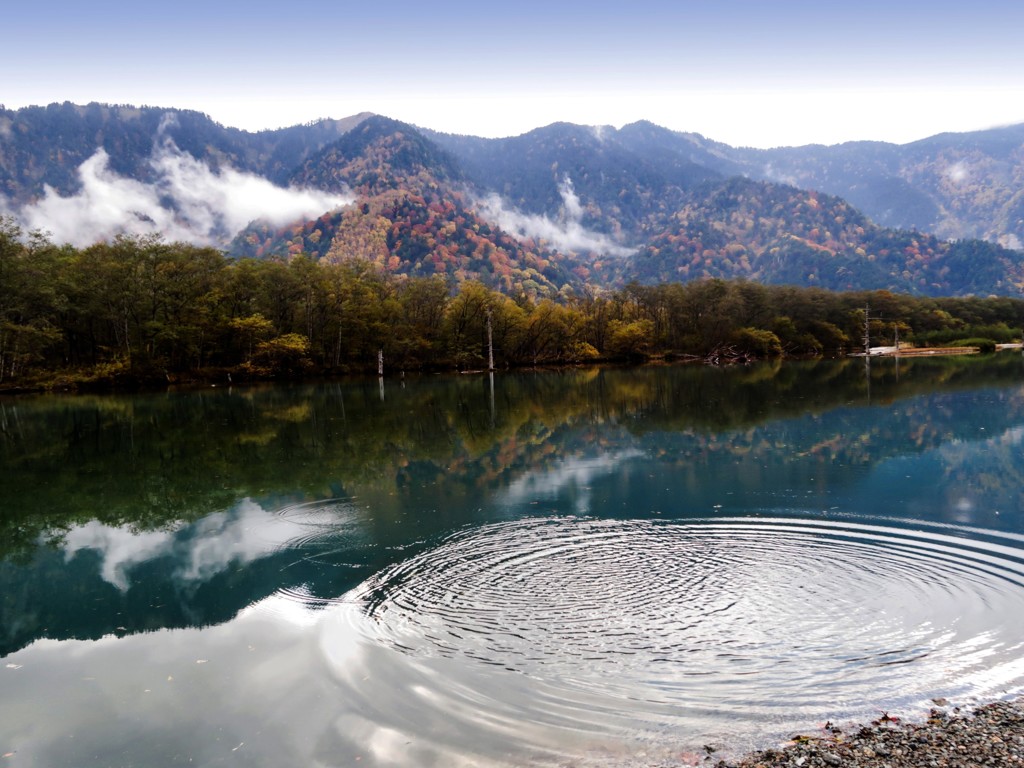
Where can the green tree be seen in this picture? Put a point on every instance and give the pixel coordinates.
(756, 342)
(282, 355)
(423, 302)
(465, 324)
(30, 299)
(250, 331)
(630, 339)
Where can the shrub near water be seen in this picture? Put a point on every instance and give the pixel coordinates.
(756, 342)
(998, 333)
(983, 345)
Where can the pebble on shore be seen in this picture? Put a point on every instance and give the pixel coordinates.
(993, 735)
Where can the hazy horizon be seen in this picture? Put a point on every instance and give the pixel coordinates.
(739, 72)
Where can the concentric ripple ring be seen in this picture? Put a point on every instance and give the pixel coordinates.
(744, 616)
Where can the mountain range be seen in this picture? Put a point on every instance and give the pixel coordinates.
(549, 211)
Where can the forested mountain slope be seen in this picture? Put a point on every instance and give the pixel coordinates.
(779, 234)
(555, 209)
(957, 185)
(412, 215)
(46, 145)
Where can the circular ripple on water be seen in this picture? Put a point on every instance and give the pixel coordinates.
(313, 538)
(747, 615)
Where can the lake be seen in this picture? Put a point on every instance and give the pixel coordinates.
(583, 567)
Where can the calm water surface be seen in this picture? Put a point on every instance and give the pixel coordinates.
(551, 568)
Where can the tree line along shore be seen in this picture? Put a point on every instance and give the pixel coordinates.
(139, 310)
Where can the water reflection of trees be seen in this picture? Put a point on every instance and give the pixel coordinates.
(151, 461)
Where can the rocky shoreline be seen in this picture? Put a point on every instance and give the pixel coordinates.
(991, 735)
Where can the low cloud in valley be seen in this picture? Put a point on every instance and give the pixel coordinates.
(186, 201)
(566, 234)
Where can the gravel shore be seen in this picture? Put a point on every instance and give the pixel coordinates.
(992, 735)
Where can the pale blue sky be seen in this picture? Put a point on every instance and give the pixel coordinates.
(747, 72)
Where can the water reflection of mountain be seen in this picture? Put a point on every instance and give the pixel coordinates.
(133, 493)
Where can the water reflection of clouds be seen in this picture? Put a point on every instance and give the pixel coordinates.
(280, 684)
(203, 549)
(963, 481)
(981, 476)
(160, 697)
(1014, 436)
(242, 535)
(120, 549)
(573, 476)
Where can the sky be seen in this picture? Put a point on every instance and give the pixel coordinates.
(746, 72)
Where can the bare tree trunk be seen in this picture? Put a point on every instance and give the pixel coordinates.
(490, 343)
